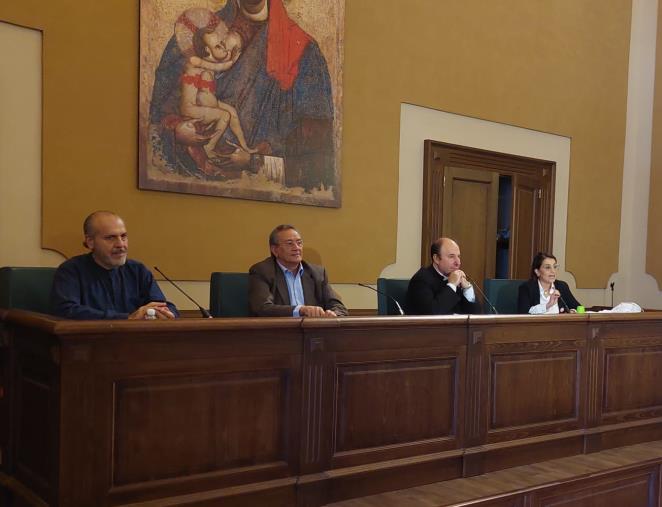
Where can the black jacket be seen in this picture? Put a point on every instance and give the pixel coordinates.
(529, 295)
(428, 293)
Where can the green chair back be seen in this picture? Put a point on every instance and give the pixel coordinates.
(228, 294)
(26, 288)
(502, 293)
(397, 289)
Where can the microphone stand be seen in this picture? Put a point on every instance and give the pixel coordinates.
(565, 305)
(494, 310)
(384, 294)
(204, 312)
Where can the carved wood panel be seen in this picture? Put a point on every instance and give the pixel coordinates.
(631, 370)
(533, 384)
(391, 403)
(198, 424)
(528, 388)
(324, 409)
(632, 379)
(36, 390)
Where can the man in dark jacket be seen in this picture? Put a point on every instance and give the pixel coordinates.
(105, 284)
(441, 288)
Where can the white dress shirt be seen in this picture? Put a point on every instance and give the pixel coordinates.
(542, 306)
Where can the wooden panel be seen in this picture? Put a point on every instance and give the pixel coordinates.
(406, 382)
(262, 411)
(6, 390)
(35, 447)
(385, 403)
(191, 406)
(198, 423)
(632, 379)
(35, 416)
(547, 382)
(225, 417)
(534, 380)
(469, 217)
(629, 360)
(395, 402)
(635, 489)
(526, 221)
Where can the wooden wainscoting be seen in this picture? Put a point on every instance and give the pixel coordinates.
(305, 412)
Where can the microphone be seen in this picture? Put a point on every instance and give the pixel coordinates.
(482, 294)
(565, 305)
(204, 312)
(611, 286)
(384, 294)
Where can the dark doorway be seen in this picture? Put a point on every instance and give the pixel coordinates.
(504, 221)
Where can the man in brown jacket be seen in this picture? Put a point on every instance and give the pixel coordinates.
(284, 285)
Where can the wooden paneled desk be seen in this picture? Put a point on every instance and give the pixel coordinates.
(304, 412)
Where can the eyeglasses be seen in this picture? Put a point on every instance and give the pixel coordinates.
(292, 242)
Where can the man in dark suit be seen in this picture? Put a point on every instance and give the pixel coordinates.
(284, 285)
(441, 288)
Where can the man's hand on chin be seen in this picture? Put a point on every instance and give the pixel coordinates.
(459, 279)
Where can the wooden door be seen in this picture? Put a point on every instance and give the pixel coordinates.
(470, 199)
(460, 200)
(526, 220)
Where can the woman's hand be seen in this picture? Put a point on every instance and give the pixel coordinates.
(553, 298)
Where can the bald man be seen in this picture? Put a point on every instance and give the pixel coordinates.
(104, 284)
(442, 287)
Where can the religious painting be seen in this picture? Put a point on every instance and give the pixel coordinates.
(242, 98)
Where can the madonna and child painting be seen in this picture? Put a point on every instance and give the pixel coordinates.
(242, 98)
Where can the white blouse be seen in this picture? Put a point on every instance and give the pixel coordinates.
(542, 306)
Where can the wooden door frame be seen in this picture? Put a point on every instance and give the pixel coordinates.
(439, 155)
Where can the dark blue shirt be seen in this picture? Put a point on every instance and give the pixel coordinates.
(84, 290)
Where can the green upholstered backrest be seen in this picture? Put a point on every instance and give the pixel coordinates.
(228, 294)
(394, 287)
(502, 293)
(26, 288)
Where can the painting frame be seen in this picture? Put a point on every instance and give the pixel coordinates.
(269, 126)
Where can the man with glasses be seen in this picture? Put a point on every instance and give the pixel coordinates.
(284, 285)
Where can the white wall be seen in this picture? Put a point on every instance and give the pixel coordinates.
(20, 149)
(631, 282)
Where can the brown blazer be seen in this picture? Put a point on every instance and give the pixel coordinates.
(268, 295)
